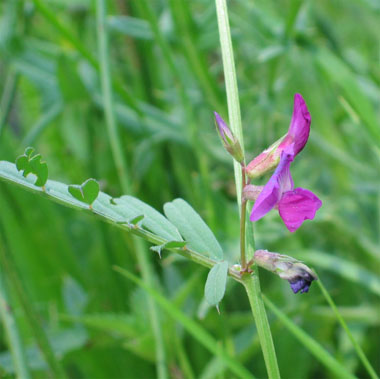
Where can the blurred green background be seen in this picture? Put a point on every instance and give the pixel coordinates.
(167, 77)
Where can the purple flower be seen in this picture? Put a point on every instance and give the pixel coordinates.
(297, 135)
(295, 205)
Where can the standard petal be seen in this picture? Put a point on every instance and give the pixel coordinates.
(271, 194)
(296, 206)
(299, 128)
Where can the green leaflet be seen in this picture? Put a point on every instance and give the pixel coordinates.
(216, 283)
(32, 165)
(87, 192)
(193, 228)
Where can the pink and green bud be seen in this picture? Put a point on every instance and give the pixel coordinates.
(230, 142)
(295, 272)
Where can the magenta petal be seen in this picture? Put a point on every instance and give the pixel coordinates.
(299, 128)
(297, 206)
(280, 182)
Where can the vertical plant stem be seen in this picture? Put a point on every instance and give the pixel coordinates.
(141, 253)
(252, 287)
(250, 282)
(14, 340)
(356, 346)
(243, 212)
(231, 84)
(30, 315)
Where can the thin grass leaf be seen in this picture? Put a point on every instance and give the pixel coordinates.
(356, 346)
(191, 326)
(311, 344)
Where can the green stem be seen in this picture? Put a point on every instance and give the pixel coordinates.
(356, 346)
(250, 282)
(15, 343)
(141, 254)
(231, 84)
(243, 206)
(252, 287)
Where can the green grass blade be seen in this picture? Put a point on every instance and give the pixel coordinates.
(356, 346)
(31, 316)
(121, 166)
(311, 344)
(66, 33)
(14, 340)
(191, 326)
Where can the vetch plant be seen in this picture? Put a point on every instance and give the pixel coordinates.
(180, 229)
(295, 205)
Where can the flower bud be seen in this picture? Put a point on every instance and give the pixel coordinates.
(296, 273)
(230, 142)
